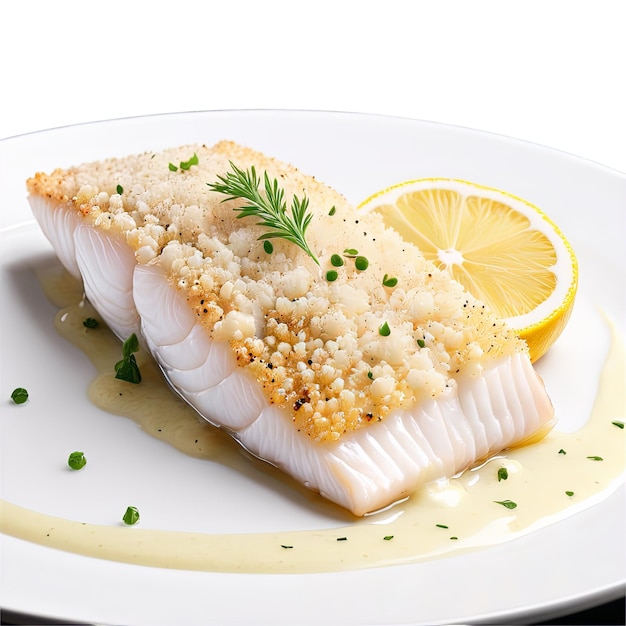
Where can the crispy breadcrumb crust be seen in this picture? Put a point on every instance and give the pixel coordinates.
(314, 346)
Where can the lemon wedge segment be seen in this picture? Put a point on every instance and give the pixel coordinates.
(501, 248)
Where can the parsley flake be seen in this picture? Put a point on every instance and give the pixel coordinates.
(384, 330)
(127, 369)
(131, 517)
(336, 260)
(185, 165)
(503, 474)
(76, 460)
(361, 263)
(509, 504)
(19, 395)
(389, 281)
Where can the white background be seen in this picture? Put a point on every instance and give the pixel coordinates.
(547, 71)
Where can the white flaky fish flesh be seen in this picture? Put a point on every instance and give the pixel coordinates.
(361, 391)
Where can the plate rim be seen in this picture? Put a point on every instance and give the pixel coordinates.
(305, 111)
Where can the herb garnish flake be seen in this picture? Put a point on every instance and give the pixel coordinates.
(19, 395)
(127, 369)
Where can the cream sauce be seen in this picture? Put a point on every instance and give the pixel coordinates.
(548, 480)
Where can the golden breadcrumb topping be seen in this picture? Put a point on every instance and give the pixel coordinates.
(338, 354)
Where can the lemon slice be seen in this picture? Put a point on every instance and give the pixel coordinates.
(502, 249)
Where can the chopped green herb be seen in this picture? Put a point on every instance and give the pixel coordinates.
(389, 281)
(336, 260)
(332, 211)
(350, 251)
(441, 526)
(331, 276)
(119, 189)
(503, 474)
(595, 458)
(618, 424)
(268, 247)
(370, 375)
(384, 330)
(342, 539)
(569, 493)
(453, 538)
(286, 547)
(361, 263)
(421, 343)
(19, 395)
(270, 208)
(561, 451)
(185, 165)
(173, 168)
(130, 345)
(127, 369)
(131, 517)
(76, 460)
(509, 504)
(388, 537)
(90, 322)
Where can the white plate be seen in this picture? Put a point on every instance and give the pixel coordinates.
(572, 564)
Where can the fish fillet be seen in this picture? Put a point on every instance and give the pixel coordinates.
(294, 366)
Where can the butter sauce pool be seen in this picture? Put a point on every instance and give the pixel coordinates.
(546, 481)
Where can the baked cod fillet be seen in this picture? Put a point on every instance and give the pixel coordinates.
(359, 390)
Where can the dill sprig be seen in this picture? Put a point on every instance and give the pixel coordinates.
(269, 207)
